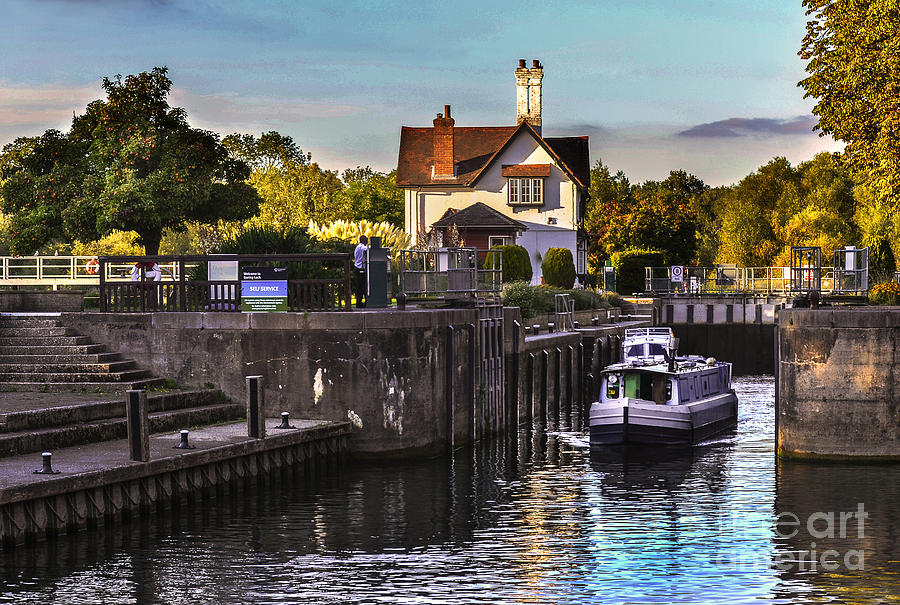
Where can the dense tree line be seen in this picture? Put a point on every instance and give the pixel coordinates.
(752, 223)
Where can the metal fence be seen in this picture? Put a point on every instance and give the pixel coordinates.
(316, 282)
(448, 272)
(732, 280)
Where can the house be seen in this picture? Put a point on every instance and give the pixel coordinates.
(498, 184)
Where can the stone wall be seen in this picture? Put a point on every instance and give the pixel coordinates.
(41, 301)
(837, 390)
(403, 378)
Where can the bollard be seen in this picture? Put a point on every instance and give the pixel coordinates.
(401, 301)
(575, 325)
(138, 423)
(183, 444)
(536, 328)
(256, 408)
(595, 321)
(284, 422)
(47, 468)
(551, 327)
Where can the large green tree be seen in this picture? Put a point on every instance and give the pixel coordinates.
(373, 196)
(853, 53)
(130, 162)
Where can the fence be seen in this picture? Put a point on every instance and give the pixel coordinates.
(735, 280)
(316, 282)
(450, 272)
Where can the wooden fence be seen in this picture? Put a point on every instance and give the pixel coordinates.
(316, 282)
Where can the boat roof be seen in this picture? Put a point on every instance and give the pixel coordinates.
(683, 365)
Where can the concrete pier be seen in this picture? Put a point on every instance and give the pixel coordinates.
(837, 386)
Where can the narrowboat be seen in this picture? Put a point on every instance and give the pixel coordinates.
(654, 396)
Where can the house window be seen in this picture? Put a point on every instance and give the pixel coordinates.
(499, 240)
(526, 191)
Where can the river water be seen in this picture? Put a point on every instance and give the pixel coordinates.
(532, 519)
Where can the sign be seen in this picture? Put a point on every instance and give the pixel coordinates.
(263, 289)
(677, 272)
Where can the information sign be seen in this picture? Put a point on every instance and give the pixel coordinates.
(263, 289)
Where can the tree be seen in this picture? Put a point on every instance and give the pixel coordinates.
(131, 163)
(373, 196)
(853, 50)
(608, 198)
(293, 188)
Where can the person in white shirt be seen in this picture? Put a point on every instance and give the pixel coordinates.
(151, 271)
(359, 263)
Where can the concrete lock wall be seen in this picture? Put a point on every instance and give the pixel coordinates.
(401, 378)
(837, 390)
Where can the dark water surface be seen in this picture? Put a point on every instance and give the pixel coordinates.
(529, 520)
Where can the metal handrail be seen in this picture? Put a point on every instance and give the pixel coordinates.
(726, 279)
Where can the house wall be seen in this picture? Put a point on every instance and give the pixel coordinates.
(425, 206)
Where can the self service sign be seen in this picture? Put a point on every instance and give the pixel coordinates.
(263, 289)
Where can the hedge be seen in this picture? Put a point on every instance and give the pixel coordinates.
(630, 265)
(558, 268)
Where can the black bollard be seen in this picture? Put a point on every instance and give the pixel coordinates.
(138, 421)
(551, 327)
(401, 301)
(47, 468)
(536, 328)
(595, 321)
(576, 325)
(183, 444)
(284, 422)
(256, 409)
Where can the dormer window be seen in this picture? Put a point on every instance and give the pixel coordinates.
(525, 183)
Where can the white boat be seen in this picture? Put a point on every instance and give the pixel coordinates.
(656, 397)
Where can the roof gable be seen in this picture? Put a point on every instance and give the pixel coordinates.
(478, 214)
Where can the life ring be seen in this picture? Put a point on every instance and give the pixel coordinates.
(92, 266)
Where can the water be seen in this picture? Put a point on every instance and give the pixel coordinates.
(529, 520)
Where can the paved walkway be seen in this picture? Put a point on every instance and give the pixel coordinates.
(17, 401)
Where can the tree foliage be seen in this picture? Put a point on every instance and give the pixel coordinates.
(130, 162)
(853, 53)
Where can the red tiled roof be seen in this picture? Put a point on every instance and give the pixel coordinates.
(475, 148)
(525, 170)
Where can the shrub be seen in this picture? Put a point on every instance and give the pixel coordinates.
(630, 266)
(887, 293)
(516, 264)
(520, 294)
(558, 268)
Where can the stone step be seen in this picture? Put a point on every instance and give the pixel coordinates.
(83, 387)
(52, 350)
(43, 341)
(77, 377)
(25, 321)
(64, 359)
(67, 367)
(63, 415)
(23, 442)
(36, 331)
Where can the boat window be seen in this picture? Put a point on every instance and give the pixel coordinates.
(657, 349)
(635, 351)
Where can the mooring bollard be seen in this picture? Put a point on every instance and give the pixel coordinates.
(47, 468)
(536, 328)
(285, 424)
(138, 422)
(256, 408)
(576, 325)
(183, 444)
(595, 321)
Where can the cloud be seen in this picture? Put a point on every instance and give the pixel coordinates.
(24, 105)
(739, 127)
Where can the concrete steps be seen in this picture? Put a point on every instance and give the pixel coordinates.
(64, 426)
(37, 353)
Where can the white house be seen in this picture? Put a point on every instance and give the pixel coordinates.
(498, 184)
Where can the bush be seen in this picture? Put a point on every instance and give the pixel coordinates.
(558, 268)
(516, 264)
(630, 265)
(520, 294)
(887, 293)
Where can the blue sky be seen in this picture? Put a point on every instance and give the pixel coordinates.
(708, 86)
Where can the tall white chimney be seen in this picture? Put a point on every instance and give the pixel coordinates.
(528, 93)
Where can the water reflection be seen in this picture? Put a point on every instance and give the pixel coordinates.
(533, 518)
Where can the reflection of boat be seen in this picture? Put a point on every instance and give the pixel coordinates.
(656, 397)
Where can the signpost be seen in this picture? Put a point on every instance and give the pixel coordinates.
(677, 272)
(263, 289)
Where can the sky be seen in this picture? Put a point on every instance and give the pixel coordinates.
(706, 86)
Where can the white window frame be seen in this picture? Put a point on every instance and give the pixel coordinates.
(505, 240)
(525, 191)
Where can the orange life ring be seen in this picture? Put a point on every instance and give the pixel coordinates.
(92, 266)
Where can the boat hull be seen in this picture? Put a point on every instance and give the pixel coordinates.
(640, 421)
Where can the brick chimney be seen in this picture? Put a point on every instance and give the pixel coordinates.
(528, 93)
(443, 145)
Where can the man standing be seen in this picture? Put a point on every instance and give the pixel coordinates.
(359, 262)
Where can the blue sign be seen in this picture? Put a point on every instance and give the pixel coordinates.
(264, 289)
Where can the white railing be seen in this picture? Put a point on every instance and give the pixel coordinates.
(56, 271)
(731, 280)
